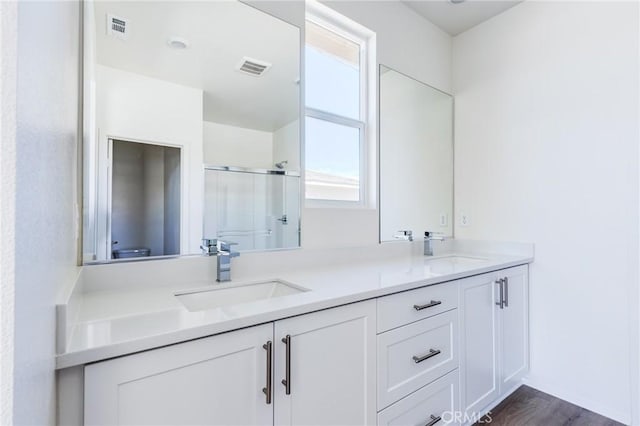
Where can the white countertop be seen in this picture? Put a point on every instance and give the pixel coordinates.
(117, 322)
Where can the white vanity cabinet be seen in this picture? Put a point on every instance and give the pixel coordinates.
(439, 354)
(494, 337)
(214, 381)
(332, 362)
(514, 328)
(418, 357)
(328, 360)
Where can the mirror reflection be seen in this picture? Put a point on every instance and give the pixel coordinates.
(145, 200)
(190, 113)
(257, 211)
(416, 157)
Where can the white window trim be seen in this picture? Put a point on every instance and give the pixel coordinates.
(328, 18)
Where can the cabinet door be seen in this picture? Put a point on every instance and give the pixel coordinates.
(214, 381)
(514, 328)
(479, 342)
(332, 367)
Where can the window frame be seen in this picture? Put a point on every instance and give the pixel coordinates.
(331, 20)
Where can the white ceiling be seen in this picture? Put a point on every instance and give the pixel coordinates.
(457, 18)
(220, 34)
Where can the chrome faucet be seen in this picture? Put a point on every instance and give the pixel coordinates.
(404, 235)
(224, 260)
(428, 237)
(222, 251)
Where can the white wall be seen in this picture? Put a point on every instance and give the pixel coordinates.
(406, 41)
(8, 65)
(142, 109)
(286, 145)
(226, 145)
(43, 170)
(547, 151)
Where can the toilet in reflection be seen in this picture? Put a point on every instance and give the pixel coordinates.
(128, 253)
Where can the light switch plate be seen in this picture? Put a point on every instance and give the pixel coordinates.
(443, 219)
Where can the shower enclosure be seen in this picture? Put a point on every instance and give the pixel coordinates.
(255, 208)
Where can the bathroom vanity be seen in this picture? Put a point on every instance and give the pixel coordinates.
(405, 340)
(385, 334)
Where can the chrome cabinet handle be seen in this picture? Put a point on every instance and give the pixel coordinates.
(506, 291)
(428, 305)
(267, 390)
(431, 354)
(287, 374)
(434, 420)
(500, 301)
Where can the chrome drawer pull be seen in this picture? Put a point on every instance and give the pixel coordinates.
(500, 303)
(267, 390)
(287, 369)
(506, 292)
(431, 354)
(428, 305)
(434, 420)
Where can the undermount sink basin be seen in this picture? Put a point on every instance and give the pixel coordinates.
(235, 294)
(451, 264)
(458, 260)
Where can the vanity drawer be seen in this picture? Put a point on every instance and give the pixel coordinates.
(410, 306)
(412, 356)
(436, 400)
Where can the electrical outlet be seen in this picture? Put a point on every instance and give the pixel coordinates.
(443, 219)
(464, 219)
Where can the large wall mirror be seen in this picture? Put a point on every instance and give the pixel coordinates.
(416, 157)
(191, 128)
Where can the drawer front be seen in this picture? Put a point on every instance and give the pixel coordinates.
(435, 404)
(412, 356)
(410, 306)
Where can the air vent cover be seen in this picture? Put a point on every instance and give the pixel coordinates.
(253, 67)
(118, 27)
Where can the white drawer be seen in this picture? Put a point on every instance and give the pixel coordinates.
(436, 400)
(413, 305)
(412, 356)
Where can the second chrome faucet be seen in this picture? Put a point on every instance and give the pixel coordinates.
(428, 238)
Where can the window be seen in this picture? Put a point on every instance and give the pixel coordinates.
(336, 89)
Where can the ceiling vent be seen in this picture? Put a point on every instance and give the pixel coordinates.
(118, 27)
(253, 67)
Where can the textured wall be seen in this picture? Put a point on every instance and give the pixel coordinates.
(547, 151)
(8, 46)
(45, 196)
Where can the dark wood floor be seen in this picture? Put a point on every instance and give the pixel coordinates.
(530, 407)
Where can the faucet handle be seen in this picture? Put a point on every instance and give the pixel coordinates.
(209, 246)
(430, 235)
(226, 245)
(404, 235)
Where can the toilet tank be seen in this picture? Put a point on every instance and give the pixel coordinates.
(131, 252)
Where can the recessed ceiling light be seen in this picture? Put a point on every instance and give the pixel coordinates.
(456, 1)
(177, 43)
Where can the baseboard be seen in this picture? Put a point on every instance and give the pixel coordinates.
(579, 400)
